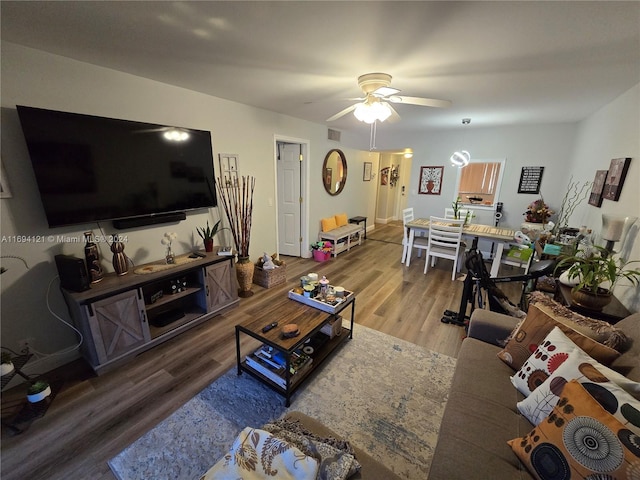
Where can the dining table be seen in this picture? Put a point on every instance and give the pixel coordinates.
(499, 235)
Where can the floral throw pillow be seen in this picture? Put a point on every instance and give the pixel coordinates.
(579, 440)
(258, 455)
(619, 395)
(550, 353)
(532, 332)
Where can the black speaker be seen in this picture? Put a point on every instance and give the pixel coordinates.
(154, 219)
(73, 273)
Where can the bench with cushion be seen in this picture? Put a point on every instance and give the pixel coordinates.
(340, 233)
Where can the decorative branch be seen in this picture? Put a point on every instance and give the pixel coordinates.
(571, 200)
(237, 202)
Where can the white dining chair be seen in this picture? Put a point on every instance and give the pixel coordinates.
(445, 241)
(419, 241)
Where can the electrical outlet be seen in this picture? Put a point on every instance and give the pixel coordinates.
(25, 344)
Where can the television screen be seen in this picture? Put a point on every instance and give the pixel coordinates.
(92, 168)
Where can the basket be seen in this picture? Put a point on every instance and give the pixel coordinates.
(320, 256)
(270, 278)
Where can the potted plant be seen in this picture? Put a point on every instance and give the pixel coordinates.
(207, 233)
(596, 273)
(7, 365)
(456, 208)
(538, 212)
(237, 201)
(38, 391)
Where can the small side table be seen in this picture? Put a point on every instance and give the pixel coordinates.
(612, 313)
(358, 220)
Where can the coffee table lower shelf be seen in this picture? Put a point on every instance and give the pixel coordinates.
(298, 379)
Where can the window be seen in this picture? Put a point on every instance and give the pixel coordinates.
(479, 182)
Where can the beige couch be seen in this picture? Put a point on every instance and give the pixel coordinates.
(481, 413)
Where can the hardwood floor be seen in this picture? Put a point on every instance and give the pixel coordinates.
(93, 418)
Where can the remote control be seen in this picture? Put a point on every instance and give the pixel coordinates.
(269, 327)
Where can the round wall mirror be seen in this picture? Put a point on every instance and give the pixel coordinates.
(334, 171)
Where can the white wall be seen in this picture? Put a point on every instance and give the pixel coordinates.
(613, 132)
(35, 78)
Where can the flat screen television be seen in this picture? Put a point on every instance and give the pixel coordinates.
(91, 169)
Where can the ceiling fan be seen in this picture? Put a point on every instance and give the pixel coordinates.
(377, 95)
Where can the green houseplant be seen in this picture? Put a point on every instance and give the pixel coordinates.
(38, 391)
(596, 274)
(207, 233)
(7, 364)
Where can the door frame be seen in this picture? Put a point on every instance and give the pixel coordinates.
(304, 189)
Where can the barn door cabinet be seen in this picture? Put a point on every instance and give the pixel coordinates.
(122, 316)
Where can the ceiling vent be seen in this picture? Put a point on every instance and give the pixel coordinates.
(334, 135)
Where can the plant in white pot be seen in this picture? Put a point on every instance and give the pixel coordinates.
(38, 391)
(7, 365)
(595, 274)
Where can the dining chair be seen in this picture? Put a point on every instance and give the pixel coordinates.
(445, 241)
(419, 241)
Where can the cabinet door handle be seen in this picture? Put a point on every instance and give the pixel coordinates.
(143, 316)
(207, 290)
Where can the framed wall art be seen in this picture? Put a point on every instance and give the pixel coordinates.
(430, 180)
(595, 197)
(366, 174)
(530, 179)
(228, 169)
(615, 178)
(384, 176)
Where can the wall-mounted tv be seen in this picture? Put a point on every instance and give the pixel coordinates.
(92, 168)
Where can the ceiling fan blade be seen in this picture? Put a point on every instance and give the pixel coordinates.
(425, 102)
(385, 91)
(342, 113)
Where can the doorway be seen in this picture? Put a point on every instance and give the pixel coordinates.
(393, 186)
(291, 172)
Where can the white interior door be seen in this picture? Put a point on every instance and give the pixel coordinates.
(289, 204)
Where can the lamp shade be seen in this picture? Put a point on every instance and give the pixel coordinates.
(370, 112)
(612, 226)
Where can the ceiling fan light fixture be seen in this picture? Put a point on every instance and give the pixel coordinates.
(460, 158)
(370, 112)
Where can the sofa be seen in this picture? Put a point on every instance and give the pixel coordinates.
(481, 415)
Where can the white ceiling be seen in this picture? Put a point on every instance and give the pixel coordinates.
(500, 63)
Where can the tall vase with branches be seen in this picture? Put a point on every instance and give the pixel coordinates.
(237, 201)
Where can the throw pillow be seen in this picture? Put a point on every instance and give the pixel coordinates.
(533, 331)
(606, 385)
(341, 219)
(329, 224)
(599, 330)
(256, 455)
(547, 357)
(579, 440)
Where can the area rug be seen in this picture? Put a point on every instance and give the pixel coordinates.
(383, 394)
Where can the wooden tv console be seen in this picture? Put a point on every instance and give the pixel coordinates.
(122, 316)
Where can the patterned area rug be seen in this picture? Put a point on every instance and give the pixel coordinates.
(383, 394)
